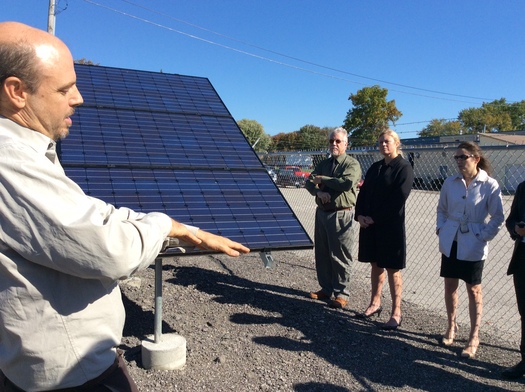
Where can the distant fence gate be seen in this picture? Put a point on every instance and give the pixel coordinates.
(422, 284)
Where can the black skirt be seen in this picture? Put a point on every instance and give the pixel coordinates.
(468, 271)
(384, 245)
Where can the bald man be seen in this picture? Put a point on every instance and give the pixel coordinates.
(61, 251)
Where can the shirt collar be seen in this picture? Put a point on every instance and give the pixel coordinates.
(340, 158)
(39, 142)
(482, 176)
(393, 161)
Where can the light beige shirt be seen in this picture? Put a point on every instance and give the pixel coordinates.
(61, 255)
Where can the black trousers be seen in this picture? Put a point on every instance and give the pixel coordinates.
(518, 271)
(115, 378)
(519, 287)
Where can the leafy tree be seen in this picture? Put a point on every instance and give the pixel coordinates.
(326, 133)
(517, 115)
(312, 137)
(495, 116)
(286, 141)
(309, 137)
(370, 115)
(85, 61)
(492, 116)
(441, 127)
(255, 134)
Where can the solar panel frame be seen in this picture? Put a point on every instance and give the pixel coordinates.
(166, 142)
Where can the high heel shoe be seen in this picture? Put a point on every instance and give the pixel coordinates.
(470, 351)
(367, 316)
(392, 324)
(449, 341)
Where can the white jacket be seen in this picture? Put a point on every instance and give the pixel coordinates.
(471, 206)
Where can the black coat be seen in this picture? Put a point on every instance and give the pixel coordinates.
(382, 197)
(517, 214)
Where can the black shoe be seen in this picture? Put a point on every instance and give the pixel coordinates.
(514, 372)
(392, 324)
(375, 312)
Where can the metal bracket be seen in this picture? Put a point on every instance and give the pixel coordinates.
(267, 258)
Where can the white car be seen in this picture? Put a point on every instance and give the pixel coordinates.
(272, 174)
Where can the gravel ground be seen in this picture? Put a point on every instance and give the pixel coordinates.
(253, 329)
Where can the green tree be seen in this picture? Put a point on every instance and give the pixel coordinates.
(312, 137)
(85, 61)
(325, 131)
(441, 127)
(370, 115)
(492, 116)
(517, 115)
(255, 134)
(286, 141)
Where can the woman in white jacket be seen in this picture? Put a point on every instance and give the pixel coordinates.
(469, 215)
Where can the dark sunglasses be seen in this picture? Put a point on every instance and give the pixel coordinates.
(462, 157)
(337, 141)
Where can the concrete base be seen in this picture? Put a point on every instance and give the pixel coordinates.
(168, 354)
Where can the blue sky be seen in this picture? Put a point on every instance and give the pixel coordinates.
(289, 63)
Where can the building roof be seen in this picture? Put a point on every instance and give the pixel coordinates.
(484, 139)
(504, 137)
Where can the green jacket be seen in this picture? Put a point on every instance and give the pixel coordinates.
(342, 184)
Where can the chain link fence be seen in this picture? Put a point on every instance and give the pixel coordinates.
(422, 284)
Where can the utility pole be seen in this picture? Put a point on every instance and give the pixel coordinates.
(51, 18)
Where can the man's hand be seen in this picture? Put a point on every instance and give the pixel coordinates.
(205, 240)
(178, 230)
(318, 179)
(324, 197)
(211, 241)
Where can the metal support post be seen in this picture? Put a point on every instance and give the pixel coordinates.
(158, 299)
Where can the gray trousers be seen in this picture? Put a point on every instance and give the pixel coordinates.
(334, 238)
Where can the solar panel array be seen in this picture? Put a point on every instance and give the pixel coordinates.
(164, 142)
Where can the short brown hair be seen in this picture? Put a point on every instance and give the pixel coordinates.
(19, 59)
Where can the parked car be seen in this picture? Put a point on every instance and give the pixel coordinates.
(272, 174)
(298, 171)
(287, 177)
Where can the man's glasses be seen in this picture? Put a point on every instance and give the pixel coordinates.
(336, 141)
(462, 157)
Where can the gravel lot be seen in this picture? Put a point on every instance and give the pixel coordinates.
(253, 329)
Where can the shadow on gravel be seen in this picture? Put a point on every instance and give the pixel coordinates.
(399, 359)
(139, 322)
(318, 387)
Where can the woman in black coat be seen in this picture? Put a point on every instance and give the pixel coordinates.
(515, 224)
(380, 211)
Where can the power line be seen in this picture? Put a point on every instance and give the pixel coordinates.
(301, 60)
(192, 36)
(283, 55)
